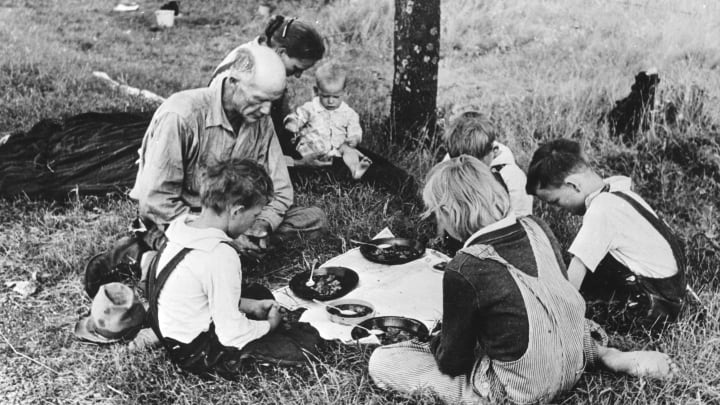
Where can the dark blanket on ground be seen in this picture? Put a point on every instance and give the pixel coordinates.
(95, 154)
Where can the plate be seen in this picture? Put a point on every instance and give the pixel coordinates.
(396, 328)
(365, 310)
(401, 251)
(347, 278)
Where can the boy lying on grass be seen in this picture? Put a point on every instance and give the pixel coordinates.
(327, 125)
(623, 252)
(195, 285)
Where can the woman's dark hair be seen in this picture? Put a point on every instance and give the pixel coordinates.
(299, 39)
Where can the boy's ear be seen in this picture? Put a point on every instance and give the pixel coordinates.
(237, 209)
(281, 50)
(574, 183)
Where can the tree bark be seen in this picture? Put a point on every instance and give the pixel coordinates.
(417, 50)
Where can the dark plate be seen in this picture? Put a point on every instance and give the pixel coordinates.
(347, 277)
(413, 249)
(416, 329)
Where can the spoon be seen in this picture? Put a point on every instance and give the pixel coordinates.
(345, 312)
(310, 281)
(380, 246)
(376, 332)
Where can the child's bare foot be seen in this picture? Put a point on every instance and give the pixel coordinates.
(650, 364)
(362, 167)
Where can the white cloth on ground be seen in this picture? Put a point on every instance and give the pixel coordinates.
(412, 290)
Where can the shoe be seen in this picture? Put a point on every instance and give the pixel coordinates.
(119, 264)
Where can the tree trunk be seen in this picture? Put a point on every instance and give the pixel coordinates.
(417, 49)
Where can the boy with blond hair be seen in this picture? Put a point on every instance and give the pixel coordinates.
(623, 251)
(327, 125)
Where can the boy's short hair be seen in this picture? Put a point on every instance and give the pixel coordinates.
(236, 181)
(552, 163)
(470, 134)
(467, 193)
(330, 73)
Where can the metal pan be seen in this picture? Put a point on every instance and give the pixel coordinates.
(348, 281)
(411, 329)
(401, 250)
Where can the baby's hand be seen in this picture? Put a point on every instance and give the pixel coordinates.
(292, 126)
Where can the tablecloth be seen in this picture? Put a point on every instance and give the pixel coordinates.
(412, 290)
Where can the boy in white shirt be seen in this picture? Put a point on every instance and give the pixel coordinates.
(327, 125)
(472, 134)
(623, 250)
(195, 282)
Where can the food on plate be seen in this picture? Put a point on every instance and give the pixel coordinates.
(394, 252)
(326, 284)
(394, 335)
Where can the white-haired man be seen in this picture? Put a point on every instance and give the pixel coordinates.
(227, 120)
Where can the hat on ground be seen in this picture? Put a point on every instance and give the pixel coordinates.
(116, 313)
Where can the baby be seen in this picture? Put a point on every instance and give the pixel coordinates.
(326, 125)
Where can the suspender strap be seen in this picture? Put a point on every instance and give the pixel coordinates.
(666, 233)
(155, 285)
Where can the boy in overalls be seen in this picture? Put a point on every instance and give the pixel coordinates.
(198, 308)
(623, 252)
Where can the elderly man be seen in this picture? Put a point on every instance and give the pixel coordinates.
(229, 119)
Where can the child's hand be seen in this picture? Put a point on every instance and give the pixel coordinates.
(254, 241)
(274, 316)
(292, 126)
(257, 309)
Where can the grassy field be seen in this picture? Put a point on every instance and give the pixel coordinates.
(542, 69)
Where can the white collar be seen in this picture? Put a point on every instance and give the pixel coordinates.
(510, 219)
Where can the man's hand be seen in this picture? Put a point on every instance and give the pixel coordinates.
(313, 160)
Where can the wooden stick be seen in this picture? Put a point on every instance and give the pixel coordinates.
(24, 355)
(129, 90)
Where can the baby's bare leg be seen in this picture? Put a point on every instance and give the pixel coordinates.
(355, 161)
(638, 363)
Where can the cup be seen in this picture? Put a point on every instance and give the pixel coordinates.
(165, 18)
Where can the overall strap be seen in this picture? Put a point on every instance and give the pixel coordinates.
(156, 285)
(662, 228)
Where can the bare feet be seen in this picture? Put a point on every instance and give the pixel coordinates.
(649, 364)
(362, 167)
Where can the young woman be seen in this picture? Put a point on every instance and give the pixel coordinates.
(513, 326)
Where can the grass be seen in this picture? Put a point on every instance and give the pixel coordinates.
(541, 69)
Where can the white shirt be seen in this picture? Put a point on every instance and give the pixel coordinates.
(514, 178)
(612, 225)
(205, 287)
(326, 130)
